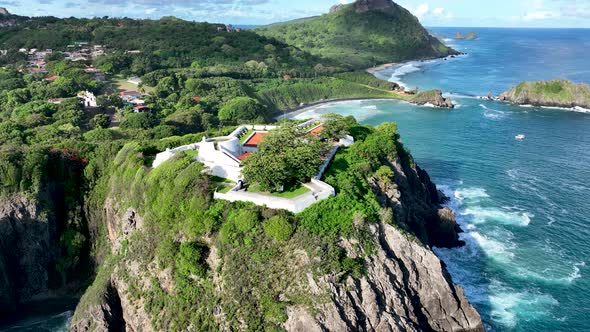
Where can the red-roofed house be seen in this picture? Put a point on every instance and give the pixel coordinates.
(52, 78)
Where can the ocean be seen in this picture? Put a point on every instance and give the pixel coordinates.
(523, 204)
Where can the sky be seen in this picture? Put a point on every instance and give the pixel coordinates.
(455, 13)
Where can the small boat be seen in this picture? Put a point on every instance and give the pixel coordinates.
(520, 137)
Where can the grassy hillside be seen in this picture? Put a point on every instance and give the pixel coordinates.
(165, 43)
(561, 93)
(361, 39)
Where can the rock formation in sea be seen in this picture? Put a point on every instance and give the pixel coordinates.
(556, 93)
(432, 97)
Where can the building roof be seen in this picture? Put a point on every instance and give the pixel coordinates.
(255, 139)
(51, 78)
(130, 93)
(245, 156)
(317, 131)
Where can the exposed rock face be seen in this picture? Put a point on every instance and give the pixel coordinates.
(557, 93)
(406, 289)
(335, 8)
(363, 6)
(25, 253)
(434, 98)
(4, 11)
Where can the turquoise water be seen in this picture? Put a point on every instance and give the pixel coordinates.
(523, 204)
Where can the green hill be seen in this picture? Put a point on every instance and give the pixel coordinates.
(362, 34)
(556, 93)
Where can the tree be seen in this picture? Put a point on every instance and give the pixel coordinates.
(336, 125)
(242, 109)
(284, 159)
(100, 121)
(138, 121)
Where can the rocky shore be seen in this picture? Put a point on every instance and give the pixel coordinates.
(556, 93)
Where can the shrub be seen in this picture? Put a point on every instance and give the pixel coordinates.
(278, 228)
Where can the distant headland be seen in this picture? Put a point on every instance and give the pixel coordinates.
(555, 93)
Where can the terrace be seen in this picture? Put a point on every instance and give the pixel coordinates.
(223, 157)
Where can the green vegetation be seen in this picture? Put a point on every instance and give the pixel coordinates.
(360, 40)
(284, 159)
(86, 165)
(559, 93)
(290, 192)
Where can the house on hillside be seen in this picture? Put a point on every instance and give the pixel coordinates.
(88, 99)
(223, 157)
(134, 80)
(127, 96)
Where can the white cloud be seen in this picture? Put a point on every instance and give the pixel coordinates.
(539, 15)
(421, 10)
(438, 11)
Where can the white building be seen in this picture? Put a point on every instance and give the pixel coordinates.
(223, 158)
(88, 99)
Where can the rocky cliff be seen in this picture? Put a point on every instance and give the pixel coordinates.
(383, 276)
(44, 253)
(556, 93)
(432, 97)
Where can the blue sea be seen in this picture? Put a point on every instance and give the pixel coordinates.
(523, 204)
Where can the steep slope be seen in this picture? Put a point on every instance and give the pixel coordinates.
(362, 34)
(360, 261)
(557, 93)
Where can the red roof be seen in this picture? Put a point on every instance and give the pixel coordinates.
(197, 99)
(245, 156)
(130, 93)
(52, 78)
(317, 131)
(255, 139)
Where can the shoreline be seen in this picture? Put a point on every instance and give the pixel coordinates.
(382, 67)
(301, 109)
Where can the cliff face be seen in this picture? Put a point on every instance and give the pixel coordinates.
(44, 253)
(557, 93)
(405, 287)
(432, 97)
(33, 266)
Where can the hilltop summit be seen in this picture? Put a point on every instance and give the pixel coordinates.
(4, 11)
(363, 6)
(361, 34)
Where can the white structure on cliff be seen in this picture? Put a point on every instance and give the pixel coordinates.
(88, 99)
(223, 158)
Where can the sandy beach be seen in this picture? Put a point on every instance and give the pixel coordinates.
(373, 70)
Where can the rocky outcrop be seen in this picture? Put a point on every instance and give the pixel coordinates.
(30, 255)
(363, 6)
(406, 289)
(4, 12)
(25, 254)
(469, 36)
(556, 93)
(433, 98)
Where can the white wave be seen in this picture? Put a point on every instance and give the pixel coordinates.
(481, 215)
(493, 114)
(573, 109)
(576, 274)
(500, 251)
(403, 70)
(370, 107)
(509, 305)
(470, 194)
